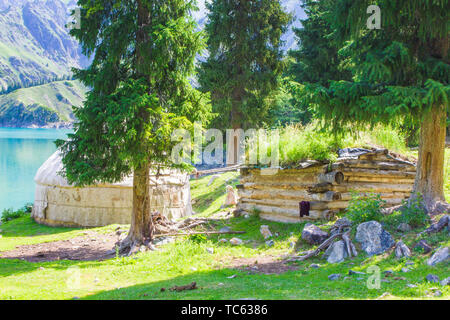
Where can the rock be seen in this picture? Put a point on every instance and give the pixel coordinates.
(347, 278)
(359, 279)
(404, 227)
(291, 245)
(445, 282)
(231, 199)
(406, 270)
(334, 276)
(439, 256)
(388, 273)
(401, 250)
(270, 243)
(409, 263)
(432, 278)
(337, 252)
(339, 224)
(351, 272)
(193, 268)
(236, 241)
(225, 229)
(223, 240)
(409, 285)
(441, 224)
(265, 231)
(210, 250)
(214, 177)
(232, 277)
(313, 234)
(373, 238)
(424, 245)
(314, 266)
(437, 293)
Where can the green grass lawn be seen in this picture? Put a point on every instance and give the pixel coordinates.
(142, 276)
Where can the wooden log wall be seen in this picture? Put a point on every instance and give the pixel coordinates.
(327, 188)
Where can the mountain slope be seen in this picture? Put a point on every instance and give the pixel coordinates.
(35, 46)
(39, 106)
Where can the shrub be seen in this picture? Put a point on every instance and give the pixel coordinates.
(365, 207)
(198, 238)
(10, 214)
(413, 213)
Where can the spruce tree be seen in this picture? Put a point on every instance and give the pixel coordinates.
(399, 72)
(143, 53)
(245, 59)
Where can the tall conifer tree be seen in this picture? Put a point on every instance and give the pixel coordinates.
(245, 59)
(399, 72)
(143, 53)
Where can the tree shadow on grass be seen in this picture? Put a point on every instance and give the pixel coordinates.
(228, 284)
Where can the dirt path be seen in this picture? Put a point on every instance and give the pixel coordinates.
(262, 264)
(91, 246)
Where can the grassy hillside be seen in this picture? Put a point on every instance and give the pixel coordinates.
(40, 105)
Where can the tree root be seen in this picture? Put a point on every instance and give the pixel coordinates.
(129, 247)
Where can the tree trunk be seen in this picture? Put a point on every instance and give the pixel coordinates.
(429, 180)
(141, 230)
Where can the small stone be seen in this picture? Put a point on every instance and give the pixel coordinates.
(404, 227)
(214, 177)
(265, 231)
(291, 245)
(424, 246)
(225, 229)
(232, 277)
(439, 256)
(270, 243)
(223, 240)
(236, 241)
(41, 268)
(351, 272)
(401, 250)
(312, 234)
(347, 278)
(388, 273)
(445, 282)
(220, 284)
(210, 250)
(246, 216)
(409, 285)
(193, 268)
(437, 293)
(405, 270)
(334, 276)
(314, 266)
(409, 263)
(385, 280)
(432, 278)
(359, 279)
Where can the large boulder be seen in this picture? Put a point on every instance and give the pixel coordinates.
(373, 238)
(313, 234)
(439, 256)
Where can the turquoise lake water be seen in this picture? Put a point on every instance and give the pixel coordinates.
(22, 152)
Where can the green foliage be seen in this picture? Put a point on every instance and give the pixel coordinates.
(143, 55)
(413, 213)
(365, 207)
(11, 214)
(198, 238)
(245, 59)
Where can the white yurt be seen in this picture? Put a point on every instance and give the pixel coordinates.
(57, 203)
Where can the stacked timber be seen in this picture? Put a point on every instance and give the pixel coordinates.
(324, 188)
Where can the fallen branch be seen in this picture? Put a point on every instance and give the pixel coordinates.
(201, 232)
(314, 253)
